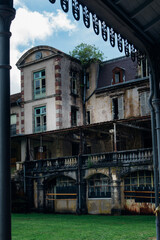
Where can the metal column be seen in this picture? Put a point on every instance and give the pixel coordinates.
(7, 14)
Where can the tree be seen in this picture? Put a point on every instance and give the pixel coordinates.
(87, 54)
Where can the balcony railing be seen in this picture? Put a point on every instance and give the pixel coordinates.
(122, 158)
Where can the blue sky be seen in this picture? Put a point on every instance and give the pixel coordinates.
(38, 22)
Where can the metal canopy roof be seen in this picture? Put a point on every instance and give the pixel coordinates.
(137, 21)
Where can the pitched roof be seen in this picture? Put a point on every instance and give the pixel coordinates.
(106, 68)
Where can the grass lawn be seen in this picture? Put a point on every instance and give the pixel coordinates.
(86, 227)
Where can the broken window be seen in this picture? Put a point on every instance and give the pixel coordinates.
(99, 186)
(39, 84)
(117, 108)
(40, 119)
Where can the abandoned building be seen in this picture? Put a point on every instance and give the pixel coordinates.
(82, 145)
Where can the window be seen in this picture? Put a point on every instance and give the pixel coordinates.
(13, 119)
(62, 188)
(99, 186)
(140, 179)
(39, 84)
(144, 103)
(118, 75)
(40, 119)
(74, 112)
(73, 77)
(117, 108)
(139, 186)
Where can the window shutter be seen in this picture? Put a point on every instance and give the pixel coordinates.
(144, 103)
(120, 108)
(147, 103)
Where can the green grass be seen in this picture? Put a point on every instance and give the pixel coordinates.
(85, 227)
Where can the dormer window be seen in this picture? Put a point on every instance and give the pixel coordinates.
(118, 75)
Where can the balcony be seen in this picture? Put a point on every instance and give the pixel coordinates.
(121, 158)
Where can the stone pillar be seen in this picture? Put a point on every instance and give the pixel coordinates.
(7, 14)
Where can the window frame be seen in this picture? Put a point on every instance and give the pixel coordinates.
(120, 72)
(98, 183)
(73, 82)
(43, 124)
(118, 107)
(42, 89)
(136, 176)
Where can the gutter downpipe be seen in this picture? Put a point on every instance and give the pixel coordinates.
(155, 155)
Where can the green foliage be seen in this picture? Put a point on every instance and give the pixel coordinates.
(85, 227)
(87, 54)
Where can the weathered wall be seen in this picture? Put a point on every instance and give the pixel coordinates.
(133, 207)
(69, 99)
(65, 206)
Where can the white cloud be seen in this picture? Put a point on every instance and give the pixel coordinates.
(27, 28)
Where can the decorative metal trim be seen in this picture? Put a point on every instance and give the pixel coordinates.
(122, 43)
(112, 37)
(95, 23)
(119, 42)
(126, 47)
(76, 9)
(133, 55)
(86, 16)
(52, 1)
(65, 5)
(104, 31)
(139, 57)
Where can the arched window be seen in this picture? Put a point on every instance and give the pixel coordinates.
(99, 186)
